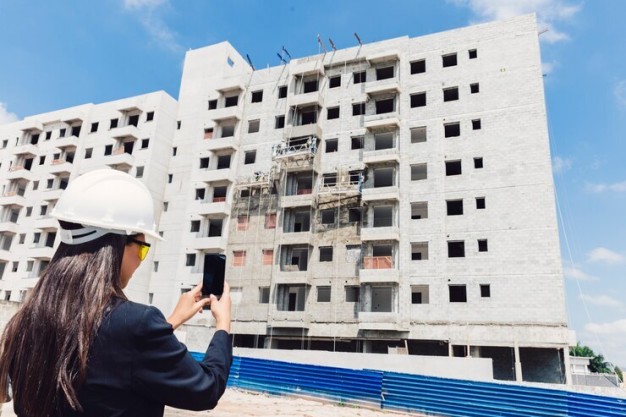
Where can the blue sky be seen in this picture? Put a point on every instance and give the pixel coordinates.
(57, 54)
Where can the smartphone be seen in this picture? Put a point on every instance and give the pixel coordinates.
(213, 274)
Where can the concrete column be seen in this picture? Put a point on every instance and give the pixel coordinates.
(518, 365)
(568, 368)
(367, 346)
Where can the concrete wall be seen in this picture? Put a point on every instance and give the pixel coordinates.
(460, 368)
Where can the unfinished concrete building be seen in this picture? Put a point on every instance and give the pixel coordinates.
(396, 194)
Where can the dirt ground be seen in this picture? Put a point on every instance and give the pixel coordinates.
(237, 403)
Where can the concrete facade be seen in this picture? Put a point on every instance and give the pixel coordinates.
(41, 154)
(394, 195)
(340, 228)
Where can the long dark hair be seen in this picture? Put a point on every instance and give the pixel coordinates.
(45, 346)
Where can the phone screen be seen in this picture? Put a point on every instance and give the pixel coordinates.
(213, 275)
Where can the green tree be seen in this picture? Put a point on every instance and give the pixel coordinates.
(597, 363)
(619, 374)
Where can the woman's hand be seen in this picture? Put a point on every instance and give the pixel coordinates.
(188, 305)
(221, 309)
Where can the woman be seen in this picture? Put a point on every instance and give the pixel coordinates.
(79, 347)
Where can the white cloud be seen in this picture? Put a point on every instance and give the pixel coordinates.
(618, 187)
(548, 13)
(620, 93)
(560, 165)
(578, 274)
(149, 14)
(612, 336)
(602, 300)
(6, 116)
(137, 4)
(548, 67)
(605, 255)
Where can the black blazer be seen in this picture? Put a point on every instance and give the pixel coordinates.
(137, 366)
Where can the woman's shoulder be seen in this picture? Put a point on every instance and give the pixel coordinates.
(130, 313)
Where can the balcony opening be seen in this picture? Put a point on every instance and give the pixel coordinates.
(228, 131)
(34, 139)
(452, 129)
(384, 177)
(299, 184)
(294, 258)
(383, 141)
(456, 249)
(204, 162)
(384, 73)
(418, 67)
(419, 251)
(458, 293)
(382, 299)
(308, 117)
(451, 94)
(382, 257)
(219, 194)
(385, 106)
(50, 237)
(132, 121)
(297, 220)
(231, 101)
(194, 226)
(212, 104)
(454, 207)
(419, 210)
(453, 168)
(310, 86)
(449, 60)
(420, 294)
(419, 172)
(291, 297)
(223, 162)
(76, 129)
(215, 227)
(127, 147)
(383, 216)
(418, 134)
(208, 133)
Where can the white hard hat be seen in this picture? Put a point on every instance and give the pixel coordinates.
(105, 201)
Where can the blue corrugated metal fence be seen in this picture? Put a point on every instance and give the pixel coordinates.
(416, 393)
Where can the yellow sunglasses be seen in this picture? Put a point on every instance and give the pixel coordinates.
(143, 247)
